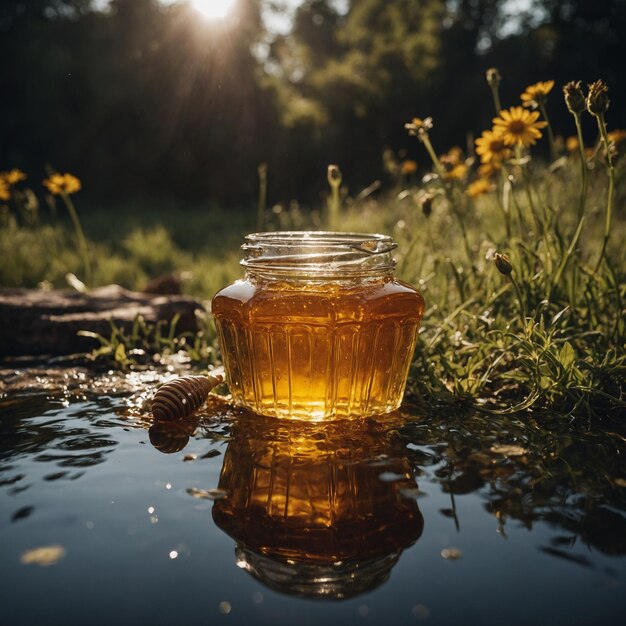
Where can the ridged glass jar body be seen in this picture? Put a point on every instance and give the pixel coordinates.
(318, 334)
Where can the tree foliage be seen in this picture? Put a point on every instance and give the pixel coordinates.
(148, 98)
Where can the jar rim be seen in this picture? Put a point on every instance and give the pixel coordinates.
(319, 253)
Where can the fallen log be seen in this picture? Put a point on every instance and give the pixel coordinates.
(37, 322)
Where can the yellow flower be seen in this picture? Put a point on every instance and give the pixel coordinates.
(13, 176)
(490, 146)
(617, 136)
(5, 190)
(456, 172)
(452, 157)
(452, 163)
(479, 187)
(58, 184)
(571, 143)
(518, 127)
(487, 170)
(537, 94)
(418, 127)
(408, 167)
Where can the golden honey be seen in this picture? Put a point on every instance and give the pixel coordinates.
(318, 328)
(317, 509)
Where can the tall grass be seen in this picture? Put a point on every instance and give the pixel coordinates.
(525, 282)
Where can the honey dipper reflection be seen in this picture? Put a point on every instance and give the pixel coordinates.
(317, 509)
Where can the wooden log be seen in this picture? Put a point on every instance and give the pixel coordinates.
(36, 322)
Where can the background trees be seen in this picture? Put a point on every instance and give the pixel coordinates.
(144, 98)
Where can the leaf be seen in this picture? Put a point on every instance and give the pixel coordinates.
(567, 355)
(120, 353)
(43, 556)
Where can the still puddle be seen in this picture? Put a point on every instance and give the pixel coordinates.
(409, 518)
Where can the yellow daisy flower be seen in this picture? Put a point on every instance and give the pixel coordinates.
(479, 187)
(490, 146)
(5, 190)
(617, 136)
(571, 143)
(58, 184)
(455, 172)
(13, 176)
(487, 170)
(452, 157)
(537, 94)
(408, 167)
(517, 126)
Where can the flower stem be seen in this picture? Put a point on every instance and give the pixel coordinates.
(609, 202)
(504, 207)
(260, 223)
(496, 98)
(581, 204)
(425, 139)
(544, 112)
(520, 298)
(80, 236)
(333, 208)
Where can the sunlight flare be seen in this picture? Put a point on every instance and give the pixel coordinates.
(213, 9)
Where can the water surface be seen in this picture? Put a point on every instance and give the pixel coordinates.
(229, 518)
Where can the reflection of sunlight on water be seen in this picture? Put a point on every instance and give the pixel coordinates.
(317, 510)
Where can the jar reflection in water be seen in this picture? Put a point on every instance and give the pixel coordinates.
(320, 510)
(318, 328)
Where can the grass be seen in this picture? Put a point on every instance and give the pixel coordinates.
(525, 284)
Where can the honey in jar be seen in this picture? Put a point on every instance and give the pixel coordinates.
(318, 328)
(318, 509)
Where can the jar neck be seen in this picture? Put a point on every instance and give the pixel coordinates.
(314, 256)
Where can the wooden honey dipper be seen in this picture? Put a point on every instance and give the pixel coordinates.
(180, 397)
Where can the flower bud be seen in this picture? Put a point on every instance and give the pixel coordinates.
(334, 175)
(503, 263)
(574, 97)
(493, 77)
(598, 98)
(419, 128)
(425, 200)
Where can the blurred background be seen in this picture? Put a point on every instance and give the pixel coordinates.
(181, 100)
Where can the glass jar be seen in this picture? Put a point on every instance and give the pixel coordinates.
(318, 328)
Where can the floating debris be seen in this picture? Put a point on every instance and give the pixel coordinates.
(210, 454)
(43, 556)
(190, 457)
(451, 554)
(206, 494)
(507, 450)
